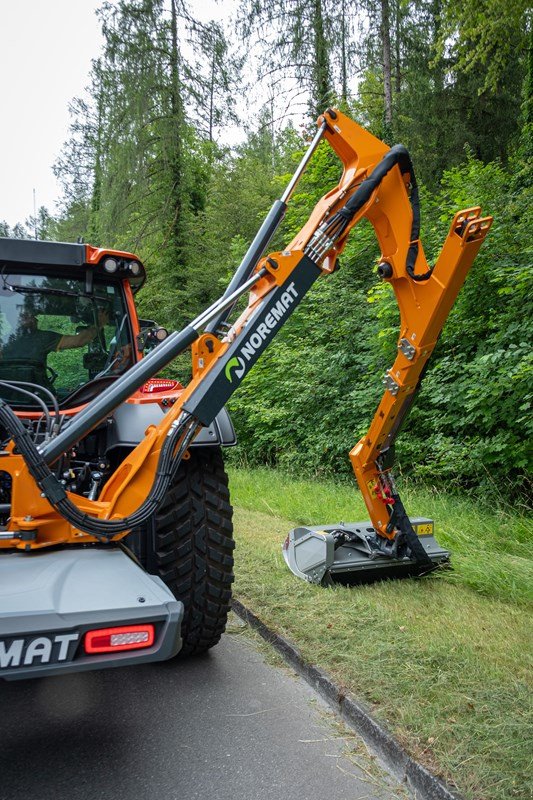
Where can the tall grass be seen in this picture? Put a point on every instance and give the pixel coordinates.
(491, 548)
(445, 662)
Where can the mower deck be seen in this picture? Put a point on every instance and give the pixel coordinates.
(50, 600)
(314, 555)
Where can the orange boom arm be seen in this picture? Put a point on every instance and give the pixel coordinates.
(377, 183)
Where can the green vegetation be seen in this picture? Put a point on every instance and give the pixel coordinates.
(489, 546)
(312, 395)
(445, 661)
(145, 170)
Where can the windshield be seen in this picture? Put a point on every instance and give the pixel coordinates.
(56, 334)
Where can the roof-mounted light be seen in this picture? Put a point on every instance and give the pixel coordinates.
(111, 265)
(135, 268)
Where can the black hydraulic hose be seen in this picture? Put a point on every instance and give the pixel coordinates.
(14, 388)
(56, 495)
(44, 390)
(402, 523)
(397, 155)
(119, 391)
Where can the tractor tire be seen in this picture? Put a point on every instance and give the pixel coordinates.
(189, 544)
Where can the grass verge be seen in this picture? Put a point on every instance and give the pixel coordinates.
(445, 661)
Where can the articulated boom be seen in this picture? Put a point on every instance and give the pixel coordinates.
(375, 184)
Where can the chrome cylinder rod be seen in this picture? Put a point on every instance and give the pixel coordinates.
(267, 230)
(98, 409)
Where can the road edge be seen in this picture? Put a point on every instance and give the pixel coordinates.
(423, 784)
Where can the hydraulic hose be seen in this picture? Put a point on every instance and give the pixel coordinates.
(17, 388)
(104, 530)
(333, 229)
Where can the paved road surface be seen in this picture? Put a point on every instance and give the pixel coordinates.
(226, 726)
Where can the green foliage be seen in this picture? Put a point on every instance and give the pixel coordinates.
(313, 394)
(487, 36)
(444, 661)
(142, 176)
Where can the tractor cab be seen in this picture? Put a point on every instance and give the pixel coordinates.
(67, 319)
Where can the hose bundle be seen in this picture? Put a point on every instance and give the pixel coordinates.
(104, 530)
(331, 230)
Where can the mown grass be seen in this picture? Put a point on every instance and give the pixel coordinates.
(445, 661)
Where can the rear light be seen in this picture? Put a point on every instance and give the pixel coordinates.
(113, 640)
(160, 385)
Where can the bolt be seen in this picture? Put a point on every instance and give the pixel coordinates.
(141, 599)
(384, 270)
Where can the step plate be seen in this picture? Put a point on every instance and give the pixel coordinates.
(50, 599)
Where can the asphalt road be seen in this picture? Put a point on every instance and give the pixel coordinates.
(226, 726)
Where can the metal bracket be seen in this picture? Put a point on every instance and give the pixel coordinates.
(390, 384)
(408, 349)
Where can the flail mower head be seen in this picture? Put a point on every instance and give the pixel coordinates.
(354, 553)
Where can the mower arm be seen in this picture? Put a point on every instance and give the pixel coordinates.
(375, 185)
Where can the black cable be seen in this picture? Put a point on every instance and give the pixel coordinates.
(108, 528)
(51, 395)
(104, 530)
(46, 391)
(15, 388)
(397, 155)
(38, 428)
(402, 523)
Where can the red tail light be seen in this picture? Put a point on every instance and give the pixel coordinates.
(113, 640)
(160, 385)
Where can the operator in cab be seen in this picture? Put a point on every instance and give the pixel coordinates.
(28, 343)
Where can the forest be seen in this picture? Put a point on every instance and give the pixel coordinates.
(189, 130)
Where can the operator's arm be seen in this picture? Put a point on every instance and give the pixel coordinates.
(83, 337)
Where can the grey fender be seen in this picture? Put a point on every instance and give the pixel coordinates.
(129, 422)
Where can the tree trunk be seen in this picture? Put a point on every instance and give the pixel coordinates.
(344, 55)
(176, 157)
(398, 37)
(387, 72)
(212, 94)
(322, 84)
